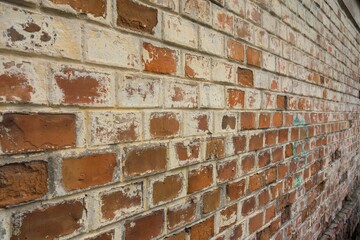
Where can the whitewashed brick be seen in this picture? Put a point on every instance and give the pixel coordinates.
(223, 71)
(212, 96)
(252, 99)
(198, 122)
(211, 41)
(180, 95)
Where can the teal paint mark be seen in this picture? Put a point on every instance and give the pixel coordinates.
(298, 181)
(298, 121)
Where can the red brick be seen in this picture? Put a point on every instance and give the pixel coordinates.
(255, 222)
(121, 201)
(264, 158)
(237, 232)
(264, 198)
(164, 125)
(235, 50)
(104, 236)
(228, 217)
(200, 178)
(248, 120)
(239, 144)
(277, 154)
(294, 134)
(228, 122)
(226, 171)
(248, 206)
(248, 163)
(283, 135)
(269, 214)
(186, 151)
(135, 16)
(282, 171)
(159, 60)
(235, 190)
(264, 120)
(215, 148)
(87, 171)
(271, 137)
(211, 201)
(256, 142)
(253, 57)
(22, 182)
(270, 175)
(181, 215)
(281, 102)
(82, 87)
(235, 98)
(37, 132)
(288, 150)
(39, 224)
(144, 160)
(202, 230)
(255, 182)
(95, 8)
(277, 119)
(145, 227)
(177, 236)
(167, 189)
(245, 77)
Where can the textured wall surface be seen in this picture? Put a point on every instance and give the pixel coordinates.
(176, 119)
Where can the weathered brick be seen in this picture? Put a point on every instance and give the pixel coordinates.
(21, 132)
(158, 59)
(247, 163)
(256, 142)
(226, 171)
(228, 217)
(197, 66)
(255, 182)
(222, 71)
(87, 171)
(94, 8)
(215, 148)
(103, 236)
(203, 230)
(188, 150)
(212, 96)
(200, 178)
(235, 190)
(255, 222)
(197, 123)
(211, 201)
(23, 182)
(164, 124)
(245, 77)
(248, 206)
(198, 10)
(222, 20)
(179, 95)
(235, 98)
(211, 41)
(248, 120)
(235, 50)
(253, 57)
(167, 188)
(180, 215)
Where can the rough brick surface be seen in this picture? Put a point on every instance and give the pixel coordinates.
(177, 119)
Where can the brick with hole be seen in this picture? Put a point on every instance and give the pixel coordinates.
(145, 227)
(188, 151)
(215, 148)
(39, 223)
(180, 215)
(20, 81)
(114, 127)
(226, 170)
(235, 98)
(159, 59)
(164, 124)
(200, 178)
(198, 10)
(121, 201)
(235, 190)
(144, 159)
(33, 132)
(180, 95)
(75, 86)
(211, 201)
(88, 171)
(167, 188)
(93, 8)
(235, 50)
(198, 123)
(228, 217)
(23, 182)
(203, 230)
(245, 77)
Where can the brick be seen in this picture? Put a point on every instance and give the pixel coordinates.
(268, 60)
(197, 123)
(253, 13)
(264, 158)
(135, 16)
(111, 48)
(255, 182)
(277, 119)
(203, 230)
(244, 30)
(31, 32)
(114, 127)
(82, 87)
(167, 188)
(139, 92)
(226, 171)
(264, 120)
(23, 182)
(21, 81)
(211, 201)
(255, 222)
(248, 120)
(235, 98)
(270, 213)
(200, 178)
(270, 175)
(95, 8)
(277, 154)
(121, 201)
(288, 150)
(158, 59)
(282, 171)
(198, 10)
(237, 232)
(197, 66)
(179, 95)
(228, 217)
(245, 77)
(188, 150)
(211, 41)
(143, 160)
(180, 31)
(164, 124)
(228, 122)
(253, 99)
(104, 236)
(248, 206)
(181, 215)
(88, 171)
(283, 135)
(237, 6)
(235, 190)
(235, 50)
(281, 102)
(39, 223)
(145, 227)
(222, 71)
(264, 198)
(215, 148)
(253, 57)
(222, 20)
(177, 236)
(20, 132)
(256, 142)
(247, 163)
(212, 96)
(239, 144)
(271, 137)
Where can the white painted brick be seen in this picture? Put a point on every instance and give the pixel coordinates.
(268, 61)
(237, 6)
(198, 122)
(252, 99)
(197, 66)
(211, 41)
(223, 71)
(212, 96)
(180, 95)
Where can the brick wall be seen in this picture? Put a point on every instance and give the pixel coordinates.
(176, 119)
